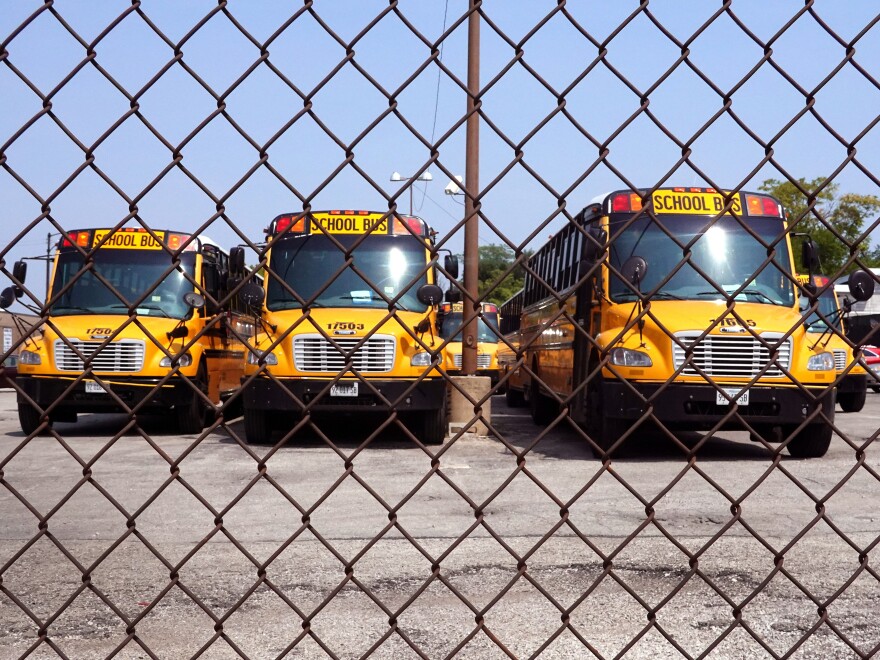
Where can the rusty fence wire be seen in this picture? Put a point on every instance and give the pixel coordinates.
(268, 347)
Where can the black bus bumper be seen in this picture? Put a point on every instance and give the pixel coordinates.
(294, 395)
(45, 391)
(694, 406)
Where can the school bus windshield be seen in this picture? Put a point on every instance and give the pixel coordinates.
(485, 335)
(827, 308)
(136, 276)
(314, 267)
(724, 250)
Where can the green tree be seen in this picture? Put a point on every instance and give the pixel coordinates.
(834, 222)
(494, 262)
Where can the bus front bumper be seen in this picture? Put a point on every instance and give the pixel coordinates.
(296, 395)
(133, 392)
(695, 407)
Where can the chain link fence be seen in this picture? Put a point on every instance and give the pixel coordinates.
(300, 460)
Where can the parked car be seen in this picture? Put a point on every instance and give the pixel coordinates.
(871, 357)
(8, 371)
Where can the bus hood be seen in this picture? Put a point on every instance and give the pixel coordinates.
(683, 315)
(99, 327)
(350, 322)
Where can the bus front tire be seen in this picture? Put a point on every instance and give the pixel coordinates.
(541, 407)
(811, 442)
(29, 418)
(191, 416)
(514, 398)
(434, 426)
(256, 427)
(852, 401)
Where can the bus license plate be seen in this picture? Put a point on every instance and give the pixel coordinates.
(94, 388)
(347, 389)
(731, 392)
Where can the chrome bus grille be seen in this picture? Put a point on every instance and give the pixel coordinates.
(123, 356)
(726, 356)
(315, 353)
(839, 360)
(484, 360)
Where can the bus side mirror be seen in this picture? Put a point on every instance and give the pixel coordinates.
(634, 270)
(19, 271)
(810, 255)
(861, 285)
(236, 260)
(194, 300)
(7, 297)
(453, 295)
(450, 264)
(430, 294)
(595, 243)
(251, 295)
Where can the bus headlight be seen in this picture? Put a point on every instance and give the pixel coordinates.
(625, 357)
(184, 360)
(821, 362)
(29, 357)
(421, 360)
(262, 357)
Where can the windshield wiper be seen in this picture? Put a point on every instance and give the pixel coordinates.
(748, 292)
(72, 308)
(664, 294)
(153, 307)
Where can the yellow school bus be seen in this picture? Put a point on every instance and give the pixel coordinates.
(488, 334)
(134, 319)
(347, 323)
(511, 373)
(824, 325)
(678, 305)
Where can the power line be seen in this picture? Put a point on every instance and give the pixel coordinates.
(436, 98)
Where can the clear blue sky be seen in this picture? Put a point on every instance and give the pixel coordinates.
(555, 158)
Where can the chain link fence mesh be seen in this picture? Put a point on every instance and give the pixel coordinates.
(347, 559)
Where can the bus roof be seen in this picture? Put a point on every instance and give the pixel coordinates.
(691, 200)
(349, 222)
(131, 238)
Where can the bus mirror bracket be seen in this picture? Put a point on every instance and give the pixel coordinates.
(861, 285)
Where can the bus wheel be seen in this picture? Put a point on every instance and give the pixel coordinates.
(29, 418)
(514, 398)
(542, 407)
(603, 430)
(811, 442)
(852, 401)
(192, 414)
(434, 426)
(256, 426)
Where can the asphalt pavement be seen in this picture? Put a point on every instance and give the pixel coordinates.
(143, 543)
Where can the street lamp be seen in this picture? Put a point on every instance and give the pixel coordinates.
(424, 176)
